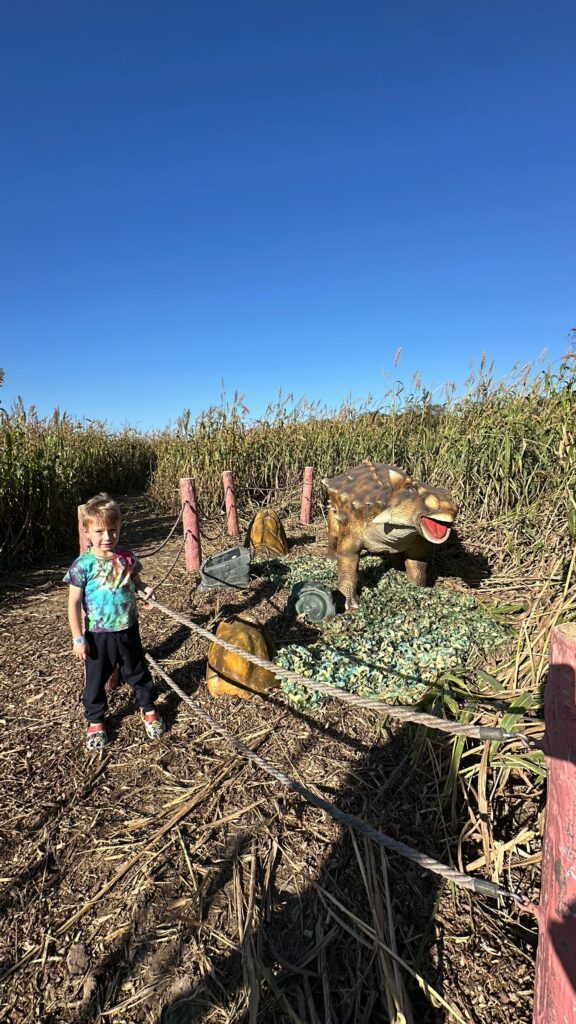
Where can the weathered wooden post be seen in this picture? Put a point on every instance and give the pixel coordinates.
(230, 499)
(306, 507)
(192, 547)
(555, 987)
(82, 535)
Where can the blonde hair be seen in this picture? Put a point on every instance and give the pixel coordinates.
(101, 509)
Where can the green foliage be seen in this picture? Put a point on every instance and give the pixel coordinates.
(50, 466)
(400, 640)
(505, 449)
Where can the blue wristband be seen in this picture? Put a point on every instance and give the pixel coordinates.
(78, 640)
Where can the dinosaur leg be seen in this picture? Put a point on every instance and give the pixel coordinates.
(348, 577)
(333, 525)
(416, 572)
(416, 562)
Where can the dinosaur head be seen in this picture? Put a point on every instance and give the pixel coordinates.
(414, 505)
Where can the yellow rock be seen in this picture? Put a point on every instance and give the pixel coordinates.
(266, 531)
(225, 669)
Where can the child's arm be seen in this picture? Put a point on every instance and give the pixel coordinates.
(79, 645)
(143, 588)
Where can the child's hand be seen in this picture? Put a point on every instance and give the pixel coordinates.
(80, 650)
(149, 596)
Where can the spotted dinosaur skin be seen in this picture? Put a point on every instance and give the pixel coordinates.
(374, 507)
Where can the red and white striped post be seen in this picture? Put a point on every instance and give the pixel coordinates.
(306, 507)
(555, 987)
(113, 681)
(230, 499)
(192, 547)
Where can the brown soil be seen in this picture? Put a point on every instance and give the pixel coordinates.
(236, 902)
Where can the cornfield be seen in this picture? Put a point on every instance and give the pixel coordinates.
(50, 466)
(505, 449)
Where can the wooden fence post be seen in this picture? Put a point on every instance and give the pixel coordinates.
(230, 499)
(306, 507)
(192, 546)
(82, 535)
(555, 987)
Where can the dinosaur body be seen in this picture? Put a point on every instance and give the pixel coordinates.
(378, 508)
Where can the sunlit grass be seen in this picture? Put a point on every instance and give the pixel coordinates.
(50, 466)
(504, 449)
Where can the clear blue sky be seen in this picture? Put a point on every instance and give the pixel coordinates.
(279, 195)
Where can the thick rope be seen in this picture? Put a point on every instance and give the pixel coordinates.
(479, 885)
(204, 517)
(154, 551)
(173, 566)
(402, 714)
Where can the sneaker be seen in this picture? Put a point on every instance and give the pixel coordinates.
(96, 738)
(153, 724)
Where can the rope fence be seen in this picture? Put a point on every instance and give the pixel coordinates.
(154, 551)
(173, 565)
(197, 528)
(471, 882)
(203, 518)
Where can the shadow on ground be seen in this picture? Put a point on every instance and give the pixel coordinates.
(299, 954)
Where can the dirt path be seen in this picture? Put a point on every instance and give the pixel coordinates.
(227, 900)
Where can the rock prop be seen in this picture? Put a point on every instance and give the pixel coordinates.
(266, 531)
(230, 568)
(231, 674)
(313, 601)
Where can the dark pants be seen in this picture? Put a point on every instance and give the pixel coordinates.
(106, 650)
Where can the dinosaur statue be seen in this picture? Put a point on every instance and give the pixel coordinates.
(377, 508)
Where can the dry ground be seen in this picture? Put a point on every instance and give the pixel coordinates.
(227, 900)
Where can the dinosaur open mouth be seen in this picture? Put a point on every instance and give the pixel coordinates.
(435, 530)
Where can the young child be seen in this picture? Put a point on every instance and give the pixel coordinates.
(103, 582)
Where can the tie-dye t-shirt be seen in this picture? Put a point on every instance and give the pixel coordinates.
(109, 593)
